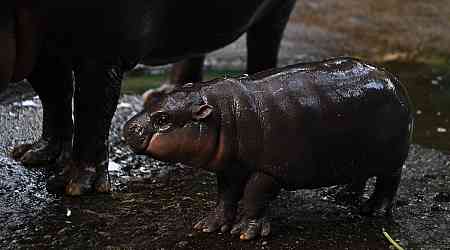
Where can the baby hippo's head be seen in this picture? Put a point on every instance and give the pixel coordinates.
(180, 127)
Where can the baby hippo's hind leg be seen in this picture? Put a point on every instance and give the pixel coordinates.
(351, 194)
(382, 199)
(387, 165)
(259, 191)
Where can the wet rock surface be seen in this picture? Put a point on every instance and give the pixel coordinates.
(154, 205)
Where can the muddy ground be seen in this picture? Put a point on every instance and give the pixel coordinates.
(154, 205)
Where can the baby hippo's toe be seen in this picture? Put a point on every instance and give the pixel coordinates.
(209, 225)
(219, 219)
(251, 228)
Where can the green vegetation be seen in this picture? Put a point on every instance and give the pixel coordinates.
(139, 83)
(392, 241)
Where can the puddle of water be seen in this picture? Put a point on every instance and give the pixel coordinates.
(429, 88)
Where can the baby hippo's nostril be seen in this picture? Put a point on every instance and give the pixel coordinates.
(135, 133)
(137, 129)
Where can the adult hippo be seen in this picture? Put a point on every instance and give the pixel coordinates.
(93, 43)
(339, 121)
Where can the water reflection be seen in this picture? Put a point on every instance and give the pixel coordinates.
(429, 89)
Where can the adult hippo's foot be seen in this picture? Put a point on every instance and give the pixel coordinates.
(43, 152)
(86, 178)
(79, 178)
(55, 143)
(251, 228)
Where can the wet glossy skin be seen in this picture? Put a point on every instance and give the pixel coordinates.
(339, 121)
(98, 41)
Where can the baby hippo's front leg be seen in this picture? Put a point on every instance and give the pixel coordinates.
(231, 185)
(259, 191)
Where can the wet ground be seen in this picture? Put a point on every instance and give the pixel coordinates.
(154, 205)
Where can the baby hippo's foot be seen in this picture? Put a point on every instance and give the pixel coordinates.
(377, 206)
(251, 228)
(79, 178)
(381, 201)
(351, 194)
(221, 218)
(42, 152)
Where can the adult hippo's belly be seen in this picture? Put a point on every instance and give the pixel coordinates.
(93, 43)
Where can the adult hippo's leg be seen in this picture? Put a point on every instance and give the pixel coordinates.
(259, 191)
(231, 186)
(53, 82)
(97, 91)
(188, 70)
(264, 38)
(185, 71)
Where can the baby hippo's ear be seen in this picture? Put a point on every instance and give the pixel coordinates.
(202, 111)
(153, 97)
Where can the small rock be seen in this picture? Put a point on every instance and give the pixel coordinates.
(113, 166)
(61, 231)
(442, 197)
(441, 130)
(26, 103)
(124, 105)
(104, 234)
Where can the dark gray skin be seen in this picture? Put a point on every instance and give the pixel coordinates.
(339, 121)
(97, 41)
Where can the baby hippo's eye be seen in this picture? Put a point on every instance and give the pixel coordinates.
(161, 121)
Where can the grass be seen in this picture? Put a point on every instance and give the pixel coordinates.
(138, 84)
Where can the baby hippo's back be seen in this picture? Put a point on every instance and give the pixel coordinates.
(325, 123)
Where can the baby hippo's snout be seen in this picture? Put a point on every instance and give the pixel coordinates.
(137, 132)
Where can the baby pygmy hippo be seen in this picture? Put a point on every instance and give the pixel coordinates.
(309, 125)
